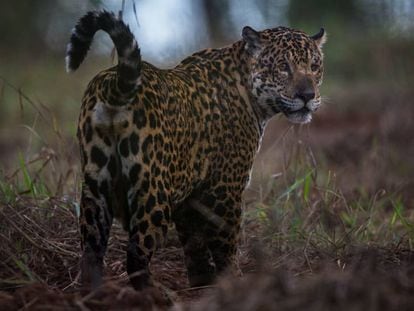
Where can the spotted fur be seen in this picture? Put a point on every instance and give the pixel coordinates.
(162, 146)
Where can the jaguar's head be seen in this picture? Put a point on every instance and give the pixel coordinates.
(285, 71)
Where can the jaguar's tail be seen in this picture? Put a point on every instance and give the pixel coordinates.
(129, 55)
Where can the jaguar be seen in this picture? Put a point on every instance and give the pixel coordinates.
(165, 148)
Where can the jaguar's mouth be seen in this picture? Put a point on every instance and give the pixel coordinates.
(302, 115)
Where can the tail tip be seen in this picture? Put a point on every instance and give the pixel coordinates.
(68, 60)
(69, 69)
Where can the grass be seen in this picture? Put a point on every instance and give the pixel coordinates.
(313, 210)
(305, 213)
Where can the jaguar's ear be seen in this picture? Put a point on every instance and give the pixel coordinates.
(252, 38)
(320, 38)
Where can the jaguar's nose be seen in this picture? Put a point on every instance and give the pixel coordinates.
(306, 96)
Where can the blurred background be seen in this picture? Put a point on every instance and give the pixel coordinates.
(363, 136)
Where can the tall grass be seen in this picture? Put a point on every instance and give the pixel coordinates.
(303, 207)
(45, 164)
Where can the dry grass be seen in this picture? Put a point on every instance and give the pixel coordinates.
(39, 244)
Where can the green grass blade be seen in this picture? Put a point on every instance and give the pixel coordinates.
(28, 182)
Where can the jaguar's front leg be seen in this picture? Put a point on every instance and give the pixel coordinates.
(223, 228)
(191, 224)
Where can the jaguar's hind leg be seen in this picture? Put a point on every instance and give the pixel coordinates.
(149, 228)
(96, 200)
(95, 227)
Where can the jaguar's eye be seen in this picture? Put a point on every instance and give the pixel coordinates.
(314, 67)
(284, 67)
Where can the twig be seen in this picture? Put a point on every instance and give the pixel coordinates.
(196, 288)
(24, 96)
(29, 304)
(75, 281)
(305, 252)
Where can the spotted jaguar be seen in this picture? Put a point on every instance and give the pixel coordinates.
(174, 148)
